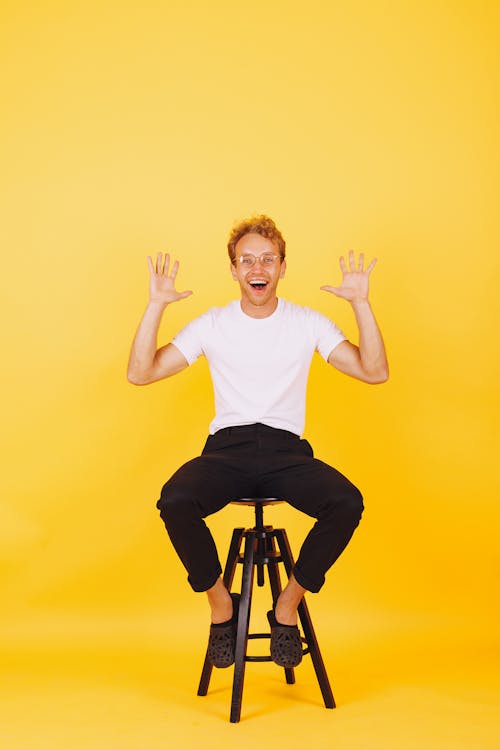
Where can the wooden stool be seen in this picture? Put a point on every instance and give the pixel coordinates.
(260, 551)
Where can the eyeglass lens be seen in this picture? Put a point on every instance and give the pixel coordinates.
(266, 259)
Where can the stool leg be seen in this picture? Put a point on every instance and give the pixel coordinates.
(261, 541)
(307, 626)
(229, 570)
(243, 620)
(261, 548)
(232, 557)
(275, 583)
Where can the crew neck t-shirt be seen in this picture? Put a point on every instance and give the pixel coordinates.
(259, 366)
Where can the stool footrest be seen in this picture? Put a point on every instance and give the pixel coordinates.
(268, 558)
(268, 658)
(258, 658)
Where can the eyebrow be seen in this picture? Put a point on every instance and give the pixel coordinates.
(265, 252)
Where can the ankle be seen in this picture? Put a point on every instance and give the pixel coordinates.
(286, 612)
(288, 601)
(222, 613)
(220, 602)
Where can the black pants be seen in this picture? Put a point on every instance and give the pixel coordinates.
(258, 461)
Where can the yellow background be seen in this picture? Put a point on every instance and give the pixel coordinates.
(131, 128)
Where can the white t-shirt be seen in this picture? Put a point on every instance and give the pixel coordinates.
(259, 366)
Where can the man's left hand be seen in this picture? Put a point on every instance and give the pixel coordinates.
(354, 286)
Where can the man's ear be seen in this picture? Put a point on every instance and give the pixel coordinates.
(233, 271)
(282, 269)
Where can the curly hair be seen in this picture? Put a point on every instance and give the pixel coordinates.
(262, 225)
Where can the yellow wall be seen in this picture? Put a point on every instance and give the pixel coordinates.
(127, 130)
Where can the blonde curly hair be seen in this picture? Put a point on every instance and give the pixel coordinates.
(262, 225)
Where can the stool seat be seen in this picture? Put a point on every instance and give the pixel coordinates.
(257, 501)
(261, 552)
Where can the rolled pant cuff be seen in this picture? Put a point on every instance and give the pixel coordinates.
(306, 584)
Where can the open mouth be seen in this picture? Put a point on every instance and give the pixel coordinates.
(259, 285)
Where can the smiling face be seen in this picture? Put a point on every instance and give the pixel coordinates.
(258, 283)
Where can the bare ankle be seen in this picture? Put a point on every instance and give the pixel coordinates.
(220, 602)
(286, 614)
(288, 601)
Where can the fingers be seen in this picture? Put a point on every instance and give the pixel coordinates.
(352, 265)
(163, 266)
(166, 266)
(351, 260)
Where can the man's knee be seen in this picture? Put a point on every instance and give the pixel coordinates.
(175, 503)
(348, 502)
(355, 504)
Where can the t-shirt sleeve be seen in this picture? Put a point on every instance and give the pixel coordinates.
(189, 340)
(328, 335)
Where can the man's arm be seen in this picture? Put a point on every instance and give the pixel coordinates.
(368, 361)
(147, 363)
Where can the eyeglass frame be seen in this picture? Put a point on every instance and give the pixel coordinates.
(241, 259)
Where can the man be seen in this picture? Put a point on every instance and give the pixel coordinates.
(259, 350)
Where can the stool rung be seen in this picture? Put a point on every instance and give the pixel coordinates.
(268, 658)
(267, 559)
(258, 658)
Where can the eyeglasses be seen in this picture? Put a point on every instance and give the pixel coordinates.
(266, 259)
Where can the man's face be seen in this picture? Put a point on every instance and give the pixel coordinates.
(258, 282)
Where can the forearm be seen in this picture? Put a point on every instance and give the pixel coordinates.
(371, 345)
(145, 345)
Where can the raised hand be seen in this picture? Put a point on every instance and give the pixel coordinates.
(162, 282)
(354, 286)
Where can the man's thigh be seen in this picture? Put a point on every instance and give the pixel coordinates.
(210, 482)
(307, 483)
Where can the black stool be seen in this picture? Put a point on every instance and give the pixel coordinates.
(260, 551)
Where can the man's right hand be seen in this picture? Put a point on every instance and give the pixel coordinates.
(162, 283)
